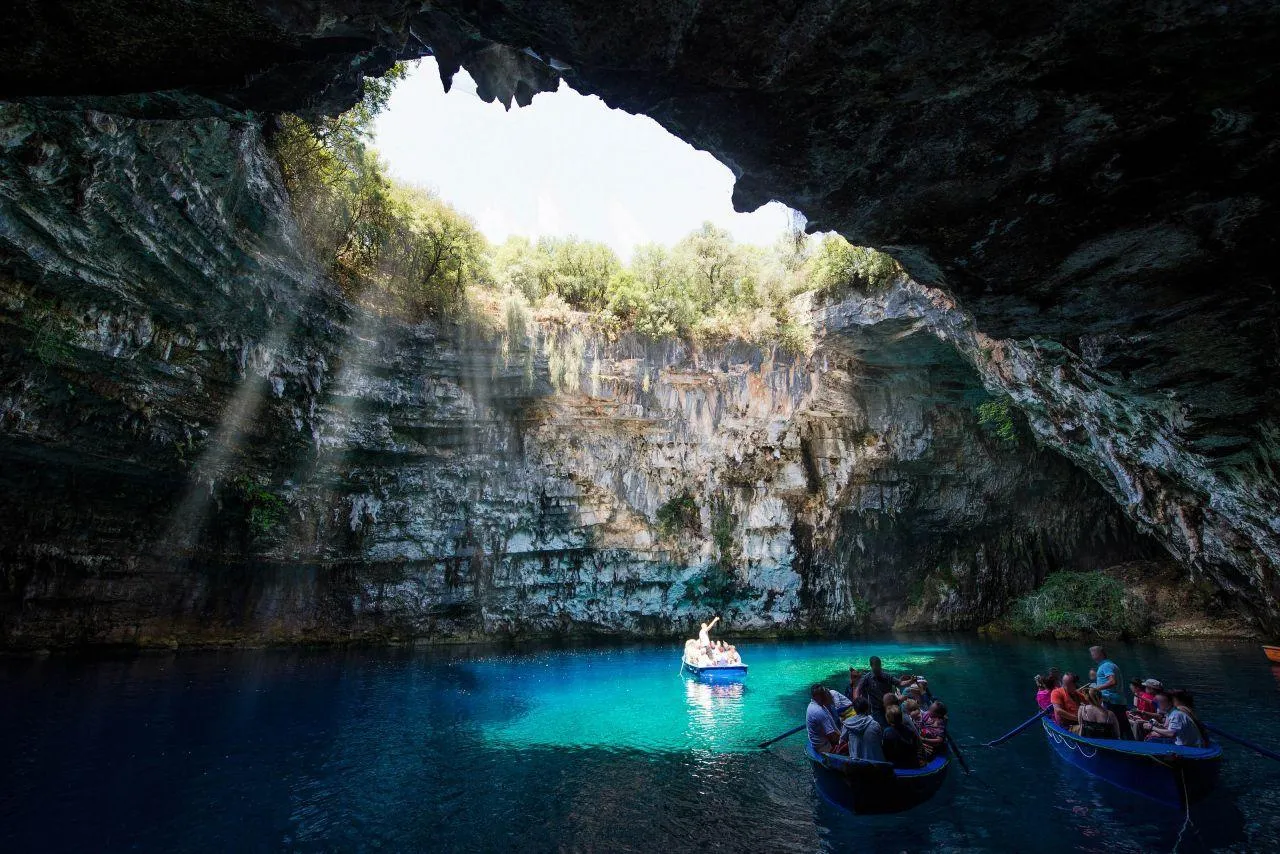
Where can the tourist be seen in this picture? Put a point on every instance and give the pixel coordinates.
(910, 713)
(1043, 692)
(874, 684)
(900, 743)
(1066, 701)
(855, 675)
(1109, 683)
(820, 720)
(1144, 699)
(926, 698)
(704, 633)
(1094, 719)
(933, 727)
(864, 733)
(1180, 726)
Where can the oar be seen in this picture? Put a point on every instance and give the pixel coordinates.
(765, 744)
(1019, 728)
(1258, 749)
(963, 764)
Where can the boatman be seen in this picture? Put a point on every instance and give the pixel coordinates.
(1111, 684)
(874, 685)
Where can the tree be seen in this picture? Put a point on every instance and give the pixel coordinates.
(578, 271)
(838, 266)
(431, 254)
(713, 265)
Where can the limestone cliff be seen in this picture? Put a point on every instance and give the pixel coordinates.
(1084, 194)
(204, 443)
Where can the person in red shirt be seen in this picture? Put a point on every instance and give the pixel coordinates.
(1066, 701)
(1144, 704)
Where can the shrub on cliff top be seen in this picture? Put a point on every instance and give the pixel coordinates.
(1080, 604)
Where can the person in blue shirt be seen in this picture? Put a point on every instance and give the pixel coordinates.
(1111, 684)
(822, 721)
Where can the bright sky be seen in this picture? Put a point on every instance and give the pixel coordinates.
(566, 164)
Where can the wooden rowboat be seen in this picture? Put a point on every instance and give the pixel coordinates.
(1167, 773)
(1272, 653)
(864, 786)
(716, 673)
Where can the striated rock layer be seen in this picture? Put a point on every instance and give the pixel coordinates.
(1085, 193)
(203, 443)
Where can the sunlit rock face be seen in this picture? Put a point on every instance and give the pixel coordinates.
(1086, 195)
(204, 443)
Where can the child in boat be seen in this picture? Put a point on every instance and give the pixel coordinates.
(933, 726)
(1043, 692)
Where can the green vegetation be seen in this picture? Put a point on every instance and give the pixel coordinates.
(678, 514)
(1080, 604)
(996, 417)
(716, 587)
(403, 251)
(723, 526)
(396, 247)
(838, 267)
(264, 511)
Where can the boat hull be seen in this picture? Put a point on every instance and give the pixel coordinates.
(723, 673)
(874, 787)
(1166, 773)
(1272, 653)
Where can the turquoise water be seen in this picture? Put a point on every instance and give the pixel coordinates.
(583, 749)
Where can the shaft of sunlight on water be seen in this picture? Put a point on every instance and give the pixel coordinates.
(623, 698)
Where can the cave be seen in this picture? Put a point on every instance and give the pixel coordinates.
(1079, 204)
(252, 520)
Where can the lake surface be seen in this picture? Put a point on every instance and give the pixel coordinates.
(581, 749)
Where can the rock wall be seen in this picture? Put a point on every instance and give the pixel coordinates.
(203, 442)
(1093, 185)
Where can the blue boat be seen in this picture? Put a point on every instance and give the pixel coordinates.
(716, 673)
(1172, 775)
(864, 786)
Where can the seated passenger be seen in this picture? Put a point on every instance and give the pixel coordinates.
(933, 727)
(864, 733)
(1180, 726)
(855, 676)
(900, 742)
(911, 713)
(1144, 697)
(926, 698)
(1095, 720)
(1066, 700)
(820, 720)
(1043, 691)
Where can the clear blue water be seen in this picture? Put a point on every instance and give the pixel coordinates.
(586, 749)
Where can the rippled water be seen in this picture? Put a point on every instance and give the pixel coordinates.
(604, 749)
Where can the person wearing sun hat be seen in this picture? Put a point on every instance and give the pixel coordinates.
(1144, 703)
